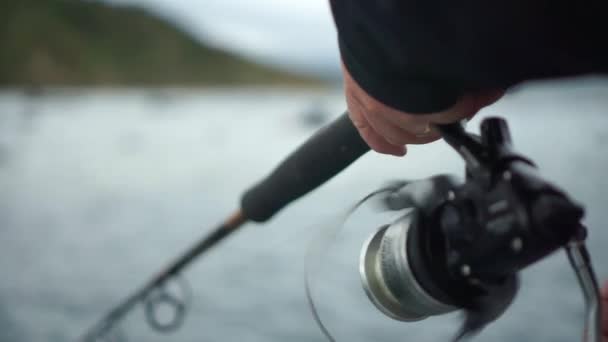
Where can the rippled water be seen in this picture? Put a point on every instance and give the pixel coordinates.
(99, 189)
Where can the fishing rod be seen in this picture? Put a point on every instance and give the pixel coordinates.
(461, 246)
(329, 151)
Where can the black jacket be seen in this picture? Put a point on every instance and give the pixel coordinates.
(421, 55)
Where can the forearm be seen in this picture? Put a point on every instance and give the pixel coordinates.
(421, 56)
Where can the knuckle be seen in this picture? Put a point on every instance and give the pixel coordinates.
(374, 108)
(361, 125)
(355, 100)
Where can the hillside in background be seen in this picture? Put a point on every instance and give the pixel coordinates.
(77, 42)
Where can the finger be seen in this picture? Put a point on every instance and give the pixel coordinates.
(465, 108)
(391, 133)
(489, 97)
(399, 136)
(377, 143)
(433, 135)
(418, 125)
(372, 138)
(408, 122)
(402, 132)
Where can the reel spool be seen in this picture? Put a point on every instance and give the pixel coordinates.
(387, 276)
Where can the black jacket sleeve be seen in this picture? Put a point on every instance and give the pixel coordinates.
(420, 56)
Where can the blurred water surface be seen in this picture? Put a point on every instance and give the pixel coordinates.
(99, 189)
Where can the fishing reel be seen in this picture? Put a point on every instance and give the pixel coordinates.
(462, 244)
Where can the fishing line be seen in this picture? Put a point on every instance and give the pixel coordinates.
(319, 246)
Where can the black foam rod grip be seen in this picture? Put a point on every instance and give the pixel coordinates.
(322, 156)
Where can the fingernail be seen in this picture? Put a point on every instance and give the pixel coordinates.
(422, 129)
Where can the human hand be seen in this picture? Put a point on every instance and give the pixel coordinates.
(388, 131)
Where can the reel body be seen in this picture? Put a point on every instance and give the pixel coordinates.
(463, 243)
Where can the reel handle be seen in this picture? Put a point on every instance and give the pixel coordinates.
(322, 156)
(580, 260)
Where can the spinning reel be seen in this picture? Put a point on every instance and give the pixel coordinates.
(462, 244)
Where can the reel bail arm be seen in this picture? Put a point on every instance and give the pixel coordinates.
(580, 260)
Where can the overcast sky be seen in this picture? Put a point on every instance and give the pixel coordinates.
(294, 33)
